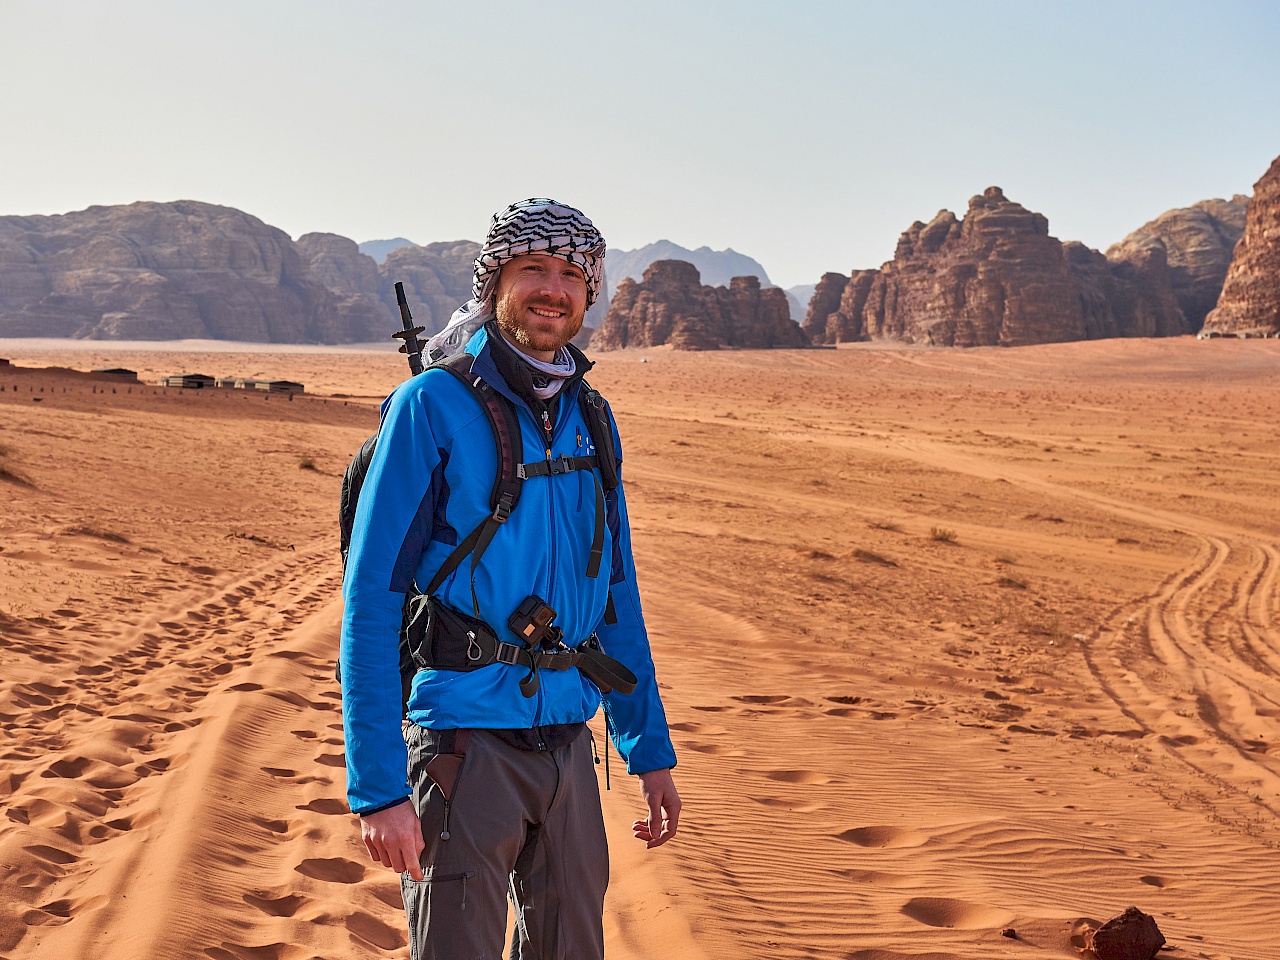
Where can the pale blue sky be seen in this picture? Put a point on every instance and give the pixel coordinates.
(805, 134)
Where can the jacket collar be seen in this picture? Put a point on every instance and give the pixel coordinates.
(482, 347)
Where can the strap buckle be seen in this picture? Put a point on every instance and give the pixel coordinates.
(506, 503)
(508, 653)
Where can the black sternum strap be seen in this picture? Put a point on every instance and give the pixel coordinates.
(552, 468)
(559, 465)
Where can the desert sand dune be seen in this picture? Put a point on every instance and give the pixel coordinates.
(962, 651)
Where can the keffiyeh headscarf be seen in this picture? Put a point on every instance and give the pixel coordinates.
(537, 225)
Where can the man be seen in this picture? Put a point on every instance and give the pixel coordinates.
(500, 796)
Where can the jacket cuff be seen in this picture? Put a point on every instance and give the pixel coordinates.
(385, 806)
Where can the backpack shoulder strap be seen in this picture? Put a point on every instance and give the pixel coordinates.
(595, 411)
(507, 482)
(352, 483)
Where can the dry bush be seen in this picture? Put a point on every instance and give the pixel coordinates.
(942, 534)
(98, 533)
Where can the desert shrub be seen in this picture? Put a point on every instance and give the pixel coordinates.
(98, 533)
(942, 534)
(308, 463)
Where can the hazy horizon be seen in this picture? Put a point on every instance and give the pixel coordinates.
(807, 137)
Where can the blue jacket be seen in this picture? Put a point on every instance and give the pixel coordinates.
(428, 486)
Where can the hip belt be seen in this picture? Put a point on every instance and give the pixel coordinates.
(441, 638)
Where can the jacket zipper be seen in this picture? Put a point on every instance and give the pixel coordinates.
(551, 528)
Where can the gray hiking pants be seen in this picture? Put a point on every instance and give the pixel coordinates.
(520, 824)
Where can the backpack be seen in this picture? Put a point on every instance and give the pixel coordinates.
(510, 476)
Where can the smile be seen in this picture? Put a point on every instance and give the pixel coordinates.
(549, 314)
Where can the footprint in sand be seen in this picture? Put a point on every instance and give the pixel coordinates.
(955, 914)
(285, 906)
(388, 891)
(51, 854)
(267, 951)
(882, 837)
(713, 749)
(275, 826)
(372, 930)
(328, 807)
(70, 768)
(1152, 881)
(332, 869)
(808, 777)
(788, 805)
(331, 760)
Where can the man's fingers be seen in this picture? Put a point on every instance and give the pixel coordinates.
(655, 814)
(660, 796)
(393, 838)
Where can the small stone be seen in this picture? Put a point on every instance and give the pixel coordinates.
(1132, 935)
(1009, 932)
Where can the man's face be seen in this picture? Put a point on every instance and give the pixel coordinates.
(540, 302)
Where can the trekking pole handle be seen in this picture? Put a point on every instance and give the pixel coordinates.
(409, 334)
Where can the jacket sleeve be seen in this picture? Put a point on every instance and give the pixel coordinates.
(392, 523)
(638, 720)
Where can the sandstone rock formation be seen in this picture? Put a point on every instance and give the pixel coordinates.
(162, 271)
(996, 278)
(437, 279)
(717, 267)
(1198, 241)
(671, 305)
(1250, 300)
(354, 280)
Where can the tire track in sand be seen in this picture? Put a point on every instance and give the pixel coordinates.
(1188, 674)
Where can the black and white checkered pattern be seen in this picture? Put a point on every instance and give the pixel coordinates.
(539, 225)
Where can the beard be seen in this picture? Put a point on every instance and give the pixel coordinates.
(510, 313)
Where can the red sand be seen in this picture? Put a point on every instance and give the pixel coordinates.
(951, 642)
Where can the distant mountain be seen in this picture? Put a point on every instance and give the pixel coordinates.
(716, 267)
(168, 271)
(378, 249)
(799, 298)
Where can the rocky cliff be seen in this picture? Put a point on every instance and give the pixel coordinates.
(996, 278)
(353, 278)
(1250, 300)
(162, 271)
(671, 305)
(1198, 242)
(437, 279)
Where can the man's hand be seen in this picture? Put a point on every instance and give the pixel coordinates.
(393, 838)
(659, 792)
